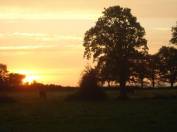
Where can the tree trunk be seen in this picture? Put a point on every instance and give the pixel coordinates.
(124, 70)
(123, 90)
(153, 83)
(109, 85)
(142, 83)
(172, 84)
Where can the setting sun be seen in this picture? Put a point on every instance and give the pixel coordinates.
(30, 79)
(30, 76)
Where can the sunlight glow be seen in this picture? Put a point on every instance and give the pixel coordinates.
(30, 76)
(30, 79)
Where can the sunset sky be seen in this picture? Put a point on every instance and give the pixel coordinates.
(43, 38)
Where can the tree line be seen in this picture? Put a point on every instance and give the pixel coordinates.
(9, 80)
(14, 81)
(150, 70)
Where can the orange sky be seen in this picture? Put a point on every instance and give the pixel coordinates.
(43, 38)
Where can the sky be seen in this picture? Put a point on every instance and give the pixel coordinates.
(43, 38)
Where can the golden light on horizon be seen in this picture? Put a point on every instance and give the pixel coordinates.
(30, 76)
(30, 79)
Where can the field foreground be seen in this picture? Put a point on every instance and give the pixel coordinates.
(31, 114)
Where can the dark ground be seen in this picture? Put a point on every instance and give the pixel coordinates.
(142, 113)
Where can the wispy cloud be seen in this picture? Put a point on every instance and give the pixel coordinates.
(32, 41)
(21, 13)
(40, 36)
(25, 47)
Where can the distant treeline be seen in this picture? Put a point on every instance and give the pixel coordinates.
(9, 80)
(14, 81)
(158, 70)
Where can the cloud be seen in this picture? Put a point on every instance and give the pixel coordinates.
(19, 41)
(25, 47)
(13, 13)
(55, 4)
(39, 36)
(31, 41)
(82, 9)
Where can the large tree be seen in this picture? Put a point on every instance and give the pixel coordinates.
(114, 41)
(168, 64)
(174, 35)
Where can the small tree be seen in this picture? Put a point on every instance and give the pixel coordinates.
(168, 64)
(15, 79)
(3, 75)
(139, 69)
(153, 69)
(89, 79)
(89, 88)
(174, 35)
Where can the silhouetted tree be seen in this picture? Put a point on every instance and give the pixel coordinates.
(89, 79)
(153, 69)
(89, 88)
(139, 69)
(174, 35)
(3, 75)
(168, 64)
(15, 79)
(115, 39)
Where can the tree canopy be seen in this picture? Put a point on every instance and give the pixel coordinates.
(9, 80)
(15, 79)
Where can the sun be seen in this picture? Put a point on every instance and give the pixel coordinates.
(30, 79)
(30, 76)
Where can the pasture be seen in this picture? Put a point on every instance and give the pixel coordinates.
(142, 113)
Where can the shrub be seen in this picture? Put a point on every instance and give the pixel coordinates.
(89, 89)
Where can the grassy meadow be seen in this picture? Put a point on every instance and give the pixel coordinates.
(142, 113)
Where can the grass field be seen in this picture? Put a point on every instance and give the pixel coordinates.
(31, 114)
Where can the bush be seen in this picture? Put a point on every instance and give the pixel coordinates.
(89, 89)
